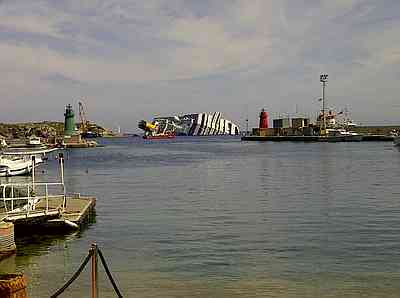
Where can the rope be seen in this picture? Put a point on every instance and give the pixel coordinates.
(72, 279)
(103, 261)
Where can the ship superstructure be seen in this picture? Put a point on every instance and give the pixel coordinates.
(201, 124)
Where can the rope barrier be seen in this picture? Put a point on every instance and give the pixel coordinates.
(76, 274)
(93, 252)
(103, 261)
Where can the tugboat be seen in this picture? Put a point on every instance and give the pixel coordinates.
(152, 131)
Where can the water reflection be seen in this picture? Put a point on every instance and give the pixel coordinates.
(212, 218)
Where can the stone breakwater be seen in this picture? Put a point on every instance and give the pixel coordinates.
(376, 130)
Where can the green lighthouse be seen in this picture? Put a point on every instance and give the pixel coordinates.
(69, 123)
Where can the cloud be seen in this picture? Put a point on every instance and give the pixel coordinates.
(213, 51)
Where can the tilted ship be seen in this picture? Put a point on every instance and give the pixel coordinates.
(201, 124)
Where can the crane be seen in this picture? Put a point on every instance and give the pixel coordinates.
(83, 126)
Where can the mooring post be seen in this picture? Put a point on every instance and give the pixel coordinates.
(95, 288)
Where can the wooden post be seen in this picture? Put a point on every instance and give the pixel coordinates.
(94, 287)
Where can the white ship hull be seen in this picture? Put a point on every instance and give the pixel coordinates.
(201, 124)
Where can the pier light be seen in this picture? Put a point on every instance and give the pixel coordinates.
(323, 78)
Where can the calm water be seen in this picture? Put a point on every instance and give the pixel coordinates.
(208, 217)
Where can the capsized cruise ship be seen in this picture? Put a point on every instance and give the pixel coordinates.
(202, 124)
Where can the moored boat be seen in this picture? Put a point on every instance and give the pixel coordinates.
(343, 135)
(13, 166)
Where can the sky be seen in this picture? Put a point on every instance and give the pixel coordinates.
(132, 60)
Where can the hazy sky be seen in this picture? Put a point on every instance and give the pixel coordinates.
(131, 60)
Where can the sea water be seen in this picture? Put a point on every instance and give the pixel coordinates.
(217, 217)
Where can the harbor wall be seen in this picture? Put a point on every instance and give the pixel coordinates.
(376, 130)
(307, 131)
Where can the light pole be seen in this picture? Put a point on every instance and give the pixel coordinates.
(323, 78)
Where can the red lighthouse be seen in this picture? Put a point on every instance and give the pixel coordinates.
(263, 119)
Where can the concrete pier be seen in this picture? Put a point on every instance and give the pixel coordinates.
(77, 211)
(365, 138)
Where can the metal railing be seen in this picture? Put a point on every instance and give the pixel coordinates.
(28, 195)
(32, 193)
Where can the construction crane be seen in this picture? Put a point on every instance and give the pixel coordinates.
(83, 125)
(87, 129)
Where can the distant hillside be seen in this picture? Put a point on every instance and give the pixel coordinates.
(41, 129)
(22, 130)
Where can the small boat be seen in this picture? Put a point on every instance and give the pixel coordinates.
(343, 135)
(17, 165)
(89, 135)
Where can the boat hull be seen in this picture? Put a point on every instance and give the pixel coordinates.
(8, 172)
(20, 166)
(159, 137)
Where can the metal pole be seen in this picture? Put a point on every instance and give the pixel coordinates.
(29, 200)
(33, 172)
(94, 286)
(323, 78)
(12, 196)
(323, 108)
(61, 159)
(47, 198)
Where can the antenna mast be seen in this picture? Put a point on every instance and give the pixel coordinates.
(323, 78)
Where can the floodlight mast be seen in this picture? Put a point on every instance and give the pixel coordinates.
(323, 78)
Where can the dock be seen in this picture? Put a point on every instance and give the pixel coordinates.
(78, 210)
(50, 212)
(32, 206)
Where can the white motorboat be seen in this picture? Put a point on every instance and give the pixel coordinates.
(344, 135)
(15, 165)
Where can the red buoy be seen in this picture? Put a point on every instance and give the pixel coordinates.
(263, 119)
